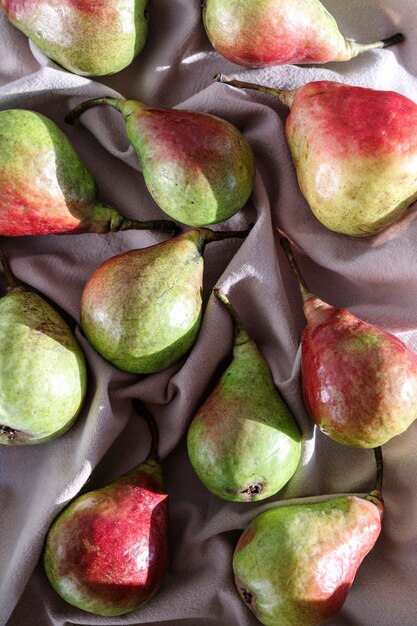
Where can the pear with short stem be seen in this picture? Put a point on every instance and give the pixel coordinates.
(295, 564)
(44, 186)
(359, 382)
(258, 33)
(197, 167)
(43, 378)
(243, 442)
(354, 151)
(86, 37)
(107, 551)
(142, 310)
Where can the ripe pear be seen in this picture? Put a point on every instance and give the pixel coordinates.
(44, 186)
(86, 37)
(197, 167)
(43, 373)
(142, 310)
(107, 551)
(257, 33)
(243, 443)
(354, 151)
(359, 382)
(295, 564)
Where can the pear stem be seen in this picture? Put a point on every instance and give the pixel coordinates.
(153, 428)
(73, 115)
(239, 328)
(377, 492)
(305, 291)
(11, 281)
(165, 226)
(358, 48)
(286, 96)
(208, 235)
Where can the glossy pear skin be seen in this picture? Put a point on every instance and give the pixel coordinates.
(359, 382)
(107, 552)
(258, 33)
(44, 187)
(142, 310)
(87, 37)
(295, 564)
(43, 374)
(355, 153)
(243, 443)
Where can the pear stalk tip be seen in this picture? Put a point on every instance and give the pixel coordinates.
(286, 96)
(11, 281)
(141, 410)
(240, 333)
(394, 39)
(377, 491)
(73, 115)
(305, 291)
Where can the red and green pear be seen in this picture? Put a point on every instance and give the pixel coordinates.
(258, 33)
(86, 37)
(294, 565)
(107, 552)
(243, 442)
(198, 168)
(354, 151)
(44, 186)
(142, 310)
(359, 382)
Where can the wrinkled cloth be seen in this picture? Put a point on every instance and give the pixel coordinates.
(375, 278)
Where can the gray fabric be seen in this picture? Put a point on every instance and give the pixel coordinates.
(374, 278)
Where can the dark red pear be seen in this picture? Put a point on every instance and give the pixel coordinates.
(107, 552)
(359, 382)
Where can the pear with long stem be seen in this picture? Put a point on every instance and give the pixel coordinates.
(295, 564)
(258, 33)
(243, 441)
(107, 551)
(142, 310)
(197, 167)
(359, 382)
(354, 151)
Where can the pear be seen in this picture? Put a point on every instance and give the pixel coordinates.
(197, 167)
(354, 150)
(243, 443)
(44, 186)
(87, 37)
(359, 382)
(295, 564)
(257, 33)
(43, 374)
(142, 310)
(107, 551)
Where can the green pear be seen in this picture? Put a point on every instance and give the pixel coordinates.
(258, 33)
(44, 186)
(243, 443)
(87, 37)
(295, 564)
(197, 167)
(142, 310)
(43, 374)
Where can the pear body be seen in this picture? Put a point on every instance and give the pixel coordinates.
(355, 153)
(198, 168)
(107, 552)
(295, 564)
(243, 442)
(44, 186)
(258, 33)
(142, 310)
(359, 382)
(43, 374)
(87, 37)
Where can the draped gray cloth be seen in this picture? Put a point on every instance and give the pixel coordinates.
(375, 278)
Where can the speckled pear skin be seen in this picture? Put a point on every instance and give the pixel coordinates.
(44, 186)
(258, 33)
(294, 565)
(107, 552)
(243, 443)
(198, 168)
(86, 37)
(43, 373)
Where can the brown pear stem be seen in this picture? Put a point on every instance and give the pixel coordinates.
(391, 41)
(208, 235)
(305, 291)
(11, 281)
(116, 103)
(377, 492)
(153, 428)
(165, 226)
(286, 96)
(240, 332)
